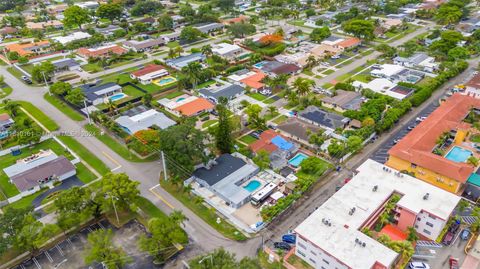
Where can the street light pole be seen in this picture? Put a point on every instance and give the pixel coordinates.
(209, 256)
(46, 83)
(86, 111)
(115, 208)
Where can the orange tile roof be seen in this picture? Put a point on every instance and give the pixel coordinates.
(349, 42)
(86, 52)
(147, 70)
(417, 146)
(239, 19)
(474, 82)
(265, 142)
(23, 49)
(194, 107)
(254, 80)
(394, 233)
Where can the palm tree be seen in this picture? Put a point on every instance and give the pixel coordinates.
(178, 217)
(207, 50)
(272, 110)
(411, 234)
(11, 107)
(111, 106)
(311, 61)
(384, 219)
(188, 189)
(303, 86)
(171, 53)
(192, 71)
(404, 248)
(178, 50)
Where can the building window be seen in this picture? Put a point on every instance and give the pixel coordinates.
(429, 224)
(301, 245)
(312, 260)
(427, 231)
(301, 253)
(414, 165)
(313, 253)
(325, 261)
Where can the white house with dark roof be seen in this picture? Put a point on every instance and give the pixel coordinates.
(144, 121)
(419, 60)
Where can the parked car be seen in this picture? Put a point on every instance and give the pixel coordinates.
(411, 127)
(395, 141)
(420, 119)
(289, 238)
(282, 245)
(465, 234)
(418, 265)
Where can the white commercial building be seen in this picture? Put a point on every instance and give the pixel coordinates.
(71, 37)
(331, 236)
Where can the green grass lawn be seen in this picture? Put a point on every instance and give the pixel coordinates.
(173, 44)
(150, 209)
(323, 166)
(16, 73)
(362, 78)
(328, 72)
(114, 145)
(25, 201)
(327, 85)
(205, 84)
(209, 123)
(475, 138)
(84, 174)
(425, 81)
(308, 72)
(66, 109)
(269, 101)
(85, 154)
(124, 78)
(269, 116)
(280, 120)
(208, 215)
(257, 96)
(173, 94)
(4, 92)
(39, 115)
(247, 139)
(343, 77)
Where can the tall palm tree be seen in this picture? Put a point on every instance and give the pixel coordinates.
(303, 86)
(178, 217)
(111, 106)
(411, 234)
(171, 53)
(178, 50)
(11, 107)
(272, 110)
(207, 50)
(192, 71)
(311, 61)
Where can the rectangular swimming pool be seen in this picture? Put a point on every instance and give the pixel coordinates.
(298, 159)
(458, 154)
(252, 185)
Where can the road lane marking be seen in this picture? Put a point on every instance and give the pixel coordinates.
(162, 199)
(113, 160)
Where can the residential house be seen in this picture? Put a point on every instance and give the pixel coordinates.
(8, 31)
(343, 101)
(144, 45)
(170, 37)
(226, 90)
(177, 20)
(227, 51)
(275, 68)
(419, 60)
(144, 121)
(349, 43)
(415, 152)
(224, 177)
(471, 87)
(29, 49)
(44, 25)
(322, 118)
(312, 21)
(332, 236)
(299, 130)
(92, 5)
(96, 94)
(5, 123)
(279, 148)
(209, 28)
(71, 37)
(39, 170)
(297, 58)
(397, 73)
(186, 105)
(101, 52)
(109, 30)
(149, 73)
(249, 78)
(66, 64)
(385, 87)
(182, 61)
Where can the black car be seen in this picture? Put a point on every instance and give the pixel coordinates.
(282, 245)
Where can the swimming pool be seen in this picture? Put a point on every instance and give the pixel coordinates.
(117, 96)
(298, 159)
(259, 65)
(180, 99)
(252, 185)
(458, 154)
(165, 80)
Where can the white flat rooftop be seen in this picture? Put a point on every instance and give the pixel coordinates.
(224, 48)
(339, 238)
(388, 70)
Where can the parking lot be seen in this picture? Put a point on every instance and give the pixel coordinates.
(381, 154)
(70, 252)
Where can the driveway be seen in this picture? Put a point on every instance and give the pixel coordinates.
(65, 185)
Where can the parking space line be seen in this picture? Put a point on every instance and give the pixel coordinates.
(89, 229)
(101, 226)
(36, 263)
(48, 256)
(60, 250)
(21, 265)
(69, 242)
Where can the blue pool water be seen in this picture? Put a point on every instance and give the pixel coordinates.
(180, 99)
(165, 80)
(252, 186)
(458, 154)
(298, 159)
(117, 96)
(259, 65)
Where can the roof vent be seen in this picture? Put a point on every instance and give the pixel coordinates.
(425, 197)
(375, 188)
(352, 210)
(363, 244)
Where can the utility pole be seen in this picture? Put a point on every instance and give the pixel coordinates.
(46, 83)
(86, 111)
(115, 208)
(164, 166)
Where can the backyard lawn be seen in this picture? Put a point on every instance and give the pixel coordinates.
(66, 109)
(257, 96)
(247, 139)
(25, 201)
(280, 120)
(209, 123)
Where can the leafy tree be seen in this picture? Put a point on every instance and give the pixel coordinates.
(310, 12)
(110, 11)
(223, 135)
(262, 159)
(354, 143)
(388, 52)
(184, 145)
(303, 85)
(45, 68)
(458, 53)
(29, 135)
(120, 187)
(448, 14)
(165, 22)
(11, 223)
(6, 5)
(164, 232)
(311, 165)
(75, 96)
(192, 72)
(411, 234)
(60, 88)
(239, 30)
(336, 149)
(359, 28)
(254, 119)
(448, 40)
(34, 234)
(101, 249)
(226, 5)
(13, 55)
(11, 107)
(22, 60)
(473, 161)
(145, 7)
(319, 34)
(75, 16)
(190, 34)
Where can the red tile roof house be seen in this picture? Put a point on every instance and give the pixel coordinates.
(349, 43)
(101, 52)
(278, 146)
(149, 73)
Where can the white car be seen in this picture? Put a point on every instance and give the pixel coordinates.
(418, 265)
